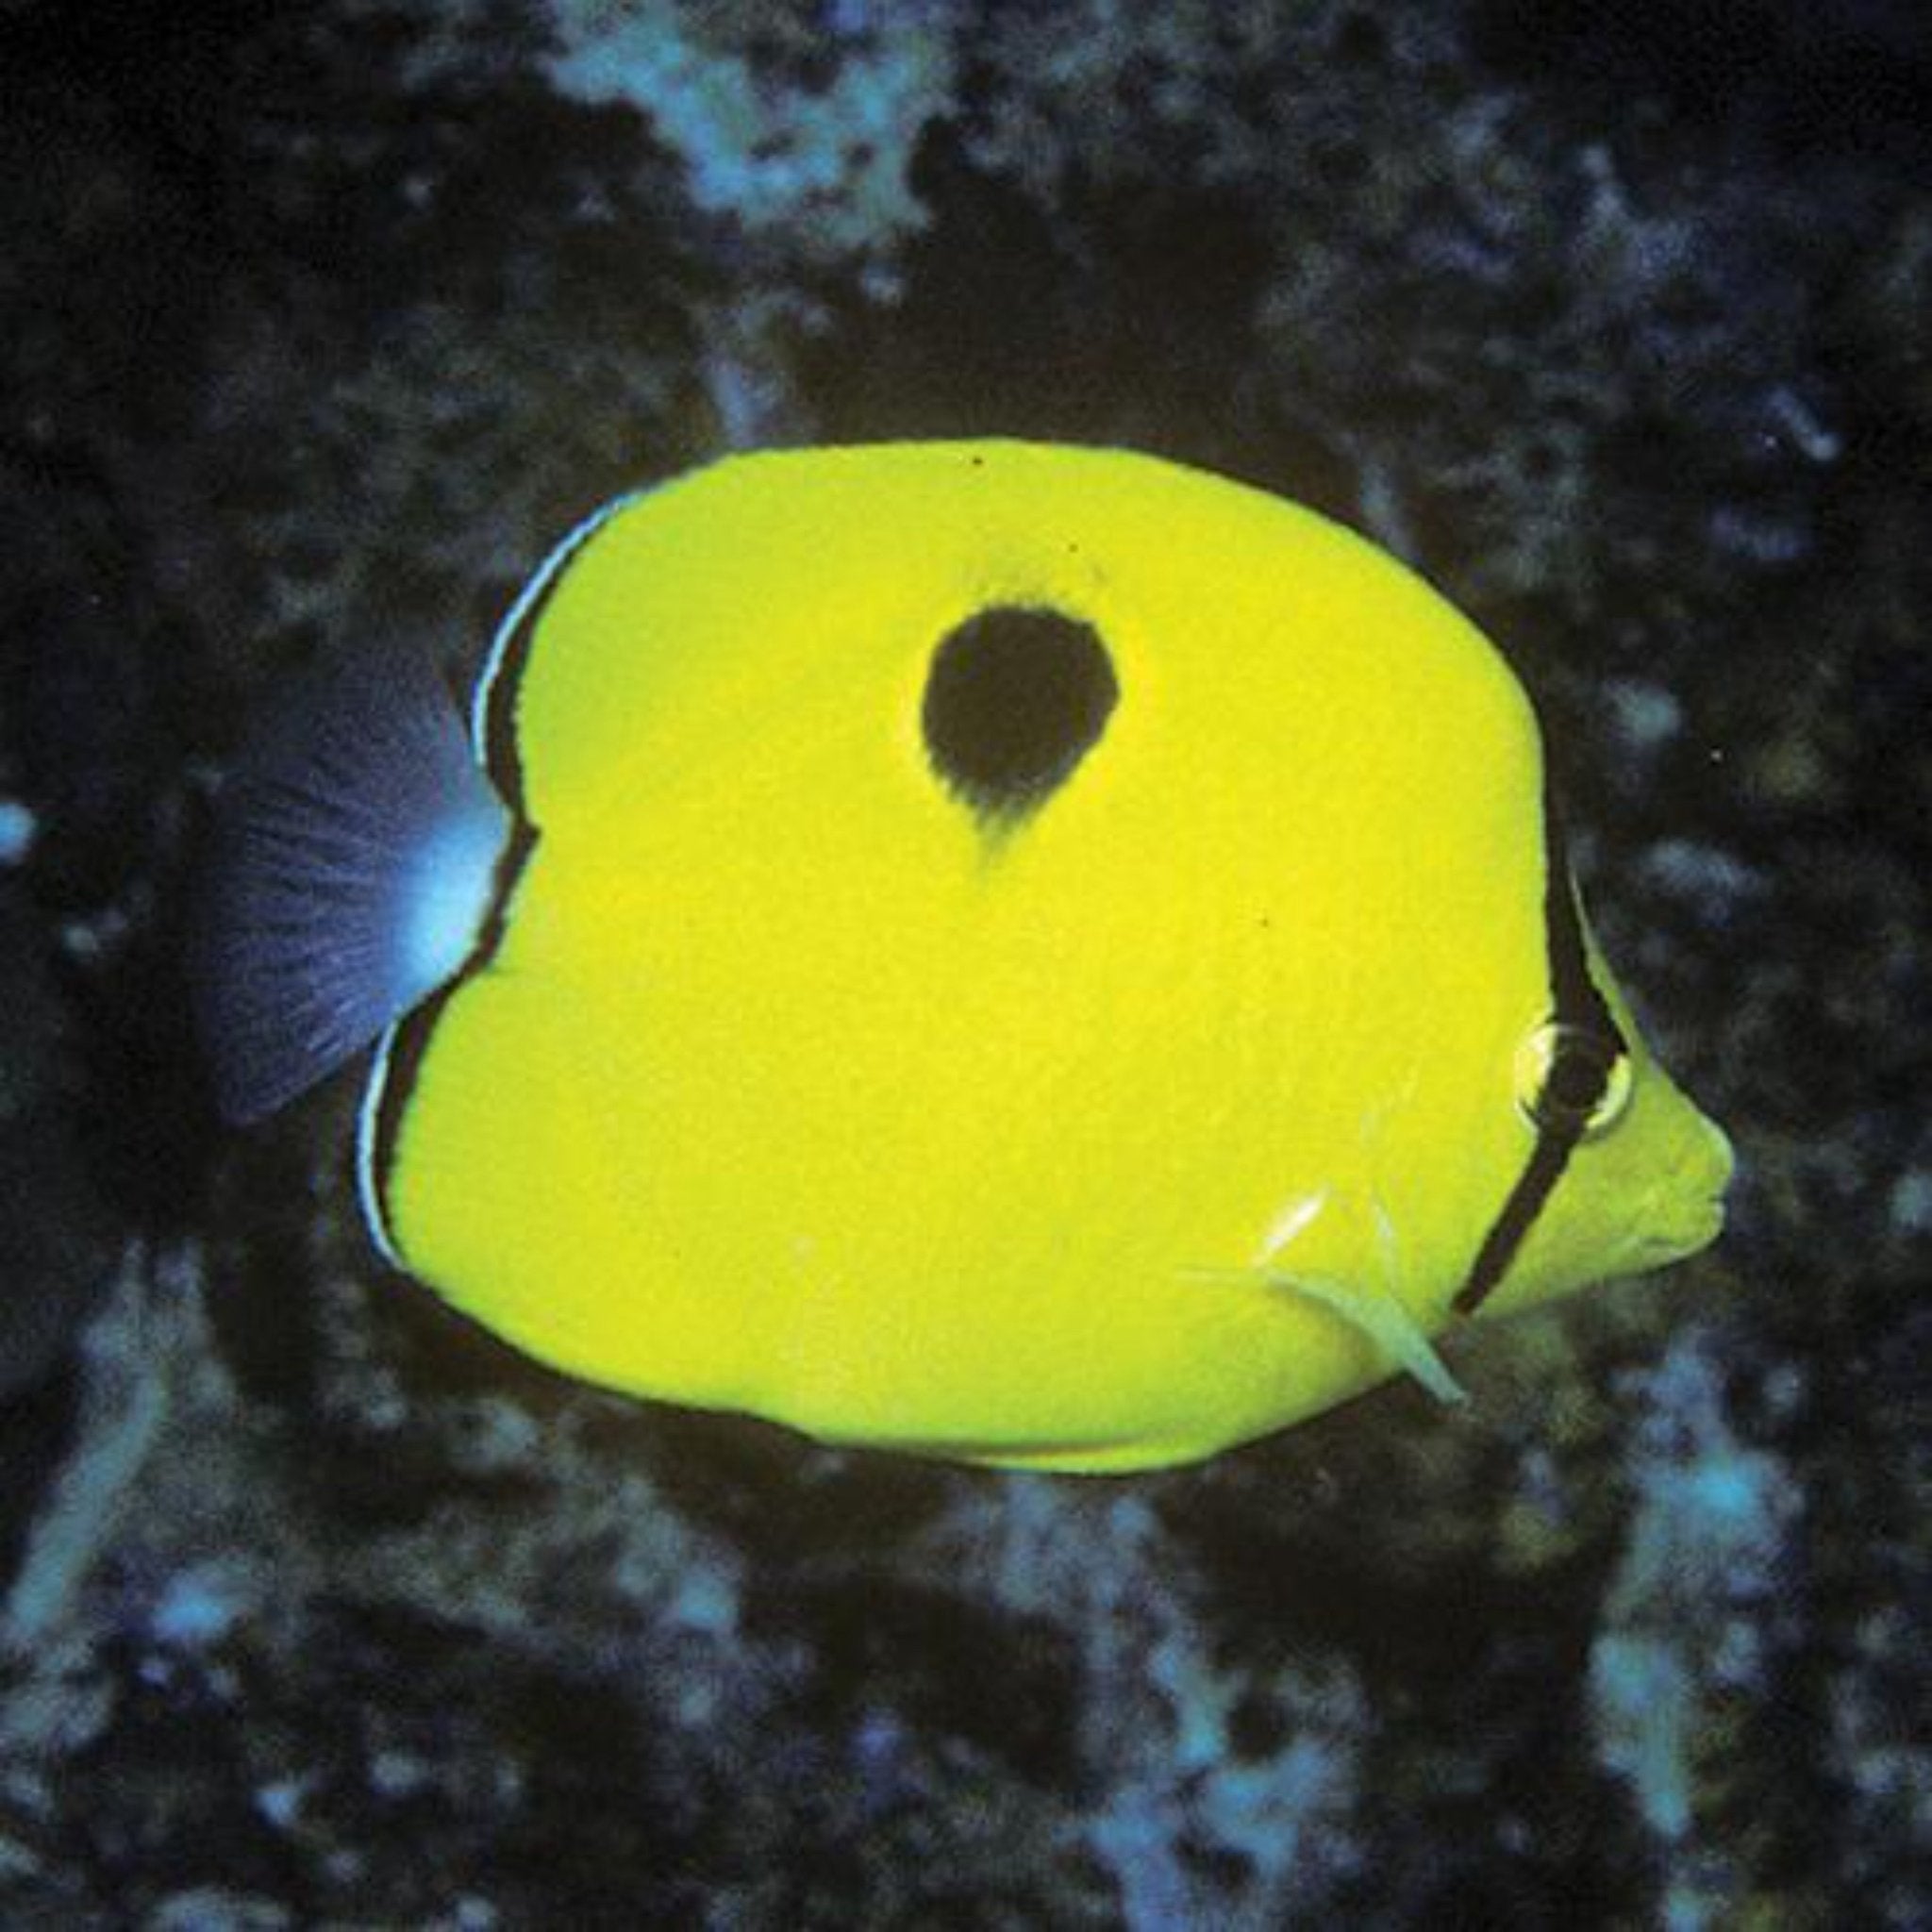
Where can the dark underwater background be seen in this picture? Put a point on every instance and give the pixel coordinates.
(319, 324)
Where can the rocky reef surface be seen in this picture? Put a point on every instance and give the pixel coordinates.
(321, 323)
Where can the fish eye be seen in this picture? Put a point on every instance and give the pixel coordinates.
(1016, 698)
(1572, 1079)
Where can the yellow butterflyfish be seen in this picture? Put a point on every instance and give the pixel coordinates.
(1028, 954)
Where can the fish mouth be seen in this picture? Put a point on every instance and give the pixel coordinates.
(1684, 1212)
(1682, 1229)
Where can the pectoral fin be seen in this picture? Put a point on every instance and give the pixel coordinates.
(1393, 1330)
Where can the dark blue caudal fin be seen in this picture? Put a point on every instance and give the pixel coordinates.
(355, 870)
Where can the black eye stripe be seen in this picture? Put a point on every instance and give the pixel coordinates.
(1578, 1078)
(1547, 1160)
(1572, 1095)
(1582, 1064)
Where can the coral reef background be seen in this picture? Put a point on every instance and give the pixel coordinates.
(322, 322)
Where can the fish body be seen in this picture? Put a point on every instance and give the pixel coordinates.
(1019, 953)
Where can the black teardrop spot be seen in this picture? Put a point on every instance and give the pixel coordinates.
(1016, 698)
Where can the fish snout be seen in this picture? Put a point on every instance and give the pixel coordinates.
(1684, 1209)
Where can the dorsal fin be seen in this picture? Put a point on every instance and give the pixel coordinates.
(354, 867)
